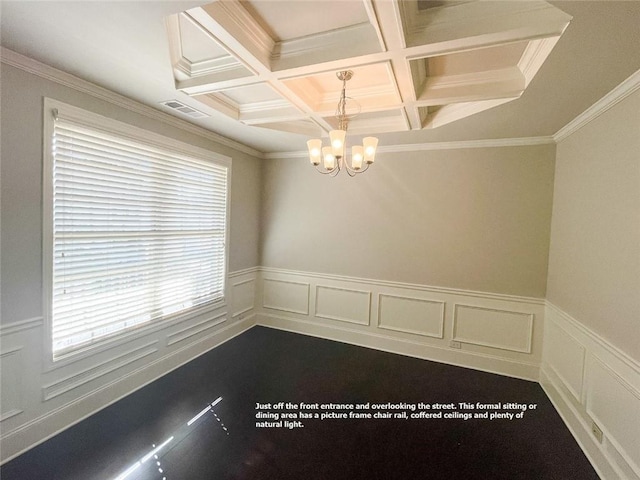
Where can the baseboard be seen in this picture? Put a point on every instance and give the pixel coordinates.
(485, 363)
(593, 384)
(41, 428)
(577, 426)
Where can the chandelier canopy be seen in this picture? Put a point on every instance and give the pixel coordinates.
(329, 160)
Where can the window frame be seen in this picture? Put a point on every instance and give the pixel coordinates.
(54, 108)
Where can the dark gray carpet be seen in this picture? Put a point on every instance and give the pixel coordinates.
(270, 366)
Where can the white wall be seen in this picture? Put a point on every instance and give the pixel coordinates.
(39, 398)
(591, 360)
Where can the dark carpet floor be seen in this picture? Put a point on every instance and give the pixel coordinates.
(146, 436)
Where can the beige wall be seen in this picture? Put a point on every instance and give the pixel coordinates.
(594, 262)
(22, 104)
(475, 219)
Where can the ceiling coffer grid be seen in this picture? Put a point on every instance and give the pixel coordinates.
(416, 64)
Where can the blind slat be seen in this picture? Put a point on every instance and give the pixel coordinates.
(139, 233)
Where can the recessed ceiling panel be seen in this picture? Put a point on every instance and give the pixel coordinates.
(416, 64)
(372, 87)
(196, 45)
(287, 20)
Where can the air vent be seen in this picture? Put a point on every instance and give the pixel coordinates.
(184, 109)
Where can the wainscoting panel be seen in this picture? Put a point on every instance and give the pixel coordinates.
(594, 386)
(502, 333)
(10, 393)
(40, 398)
(243, 293)
(411, 315)
(615, 406)
(567, 358)
(196, 329)
(84, 376)
(342, 304)
(493, 328)
(286, 296)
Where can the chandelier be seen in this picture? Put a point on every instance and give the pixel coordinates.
(331, 159)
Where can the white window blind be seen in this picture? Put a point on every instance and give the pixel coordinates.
(138, 234)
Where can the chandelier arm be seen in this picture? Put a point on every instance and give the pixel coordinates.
(333, 171)
(353, 173)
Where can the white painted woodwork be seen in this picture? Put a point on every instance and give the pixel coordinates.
(286, 296)
(343, 304)
(615, 406)
(409, 319)
(590, 380)
(503, 329)
(407, 314)
(404, 57)
(567, 357)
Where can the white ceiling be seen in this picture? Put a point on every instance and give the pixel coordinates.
(132, 49)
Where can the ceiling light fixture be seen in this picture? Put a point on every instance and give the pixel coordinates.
(331, 159)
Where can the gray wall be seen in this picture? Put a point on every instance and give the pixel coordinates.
(475, 219)
(21, 170)
(594, 262)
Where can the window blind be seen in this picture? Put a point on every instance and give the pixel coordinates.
(138, 234)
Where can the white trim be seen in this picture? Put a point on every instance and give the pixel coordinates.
(21, 326)
(337, 317)
(244, 271)
(9, 57)
(54, 109)
(577, 426)
(610, 457)
(43, 427)
(78, 379)
(363, 338)
(413, 286)
(379, 324)
(418, 147)
(454, 335)
(593, 336)
(47, 72)
(196, 328)
(619, 93)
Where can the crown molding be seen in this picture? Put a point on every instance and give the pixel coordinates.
(418, 147)
(9, 57)
(619, 93)
(47, 72)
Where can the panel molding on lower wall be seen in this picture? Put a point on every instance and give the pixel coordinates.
(343, 304)
(45, 426)
(590, 381)
(407, 306)
(408, 319)
(480, 327)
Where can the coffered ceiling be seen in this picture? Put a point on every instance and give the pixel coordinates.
(416, 64)
(262, 72)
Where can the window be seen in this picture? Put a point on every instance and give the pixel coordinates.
(135, 226)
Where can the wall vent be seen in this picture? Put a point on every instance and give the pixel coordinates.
(184, 109)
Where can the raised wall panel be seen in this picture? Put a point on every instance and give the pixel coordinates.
(196, 330)
(493, 328)
(411, 315)
(242, 295)
(567, 358)
(345, 305)
(99, 371)
(408, 319)
(286, 296)
(615, 406)
(11, 387)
